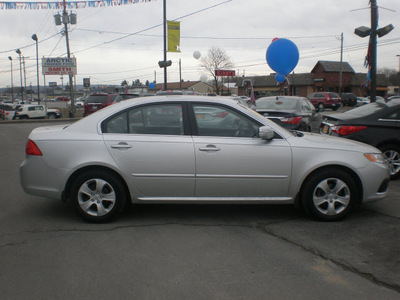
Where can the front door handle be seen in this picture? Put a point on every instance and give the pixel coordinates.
(121, 146)
(210, 148)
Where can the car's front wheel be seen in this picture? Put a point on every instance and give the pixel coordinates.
(98, 196)
(329, 195)
(392, 156)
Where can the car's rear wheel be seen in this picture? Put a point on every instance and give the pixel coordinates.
(321, 105)
(51, 116)
(98, 196)
(329, 195)
(392, 156)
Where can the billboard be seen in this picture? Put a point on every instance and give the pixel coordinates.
(58, 66)
(225, 73)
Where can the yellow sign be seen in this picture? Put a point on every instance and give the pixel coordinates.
(174, 36)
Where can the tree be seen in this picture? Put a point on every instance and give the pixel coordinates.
(216, 59)
(392, 74)
(124, 83)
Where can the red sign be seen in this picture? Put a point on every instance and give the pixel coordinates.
(225, 73)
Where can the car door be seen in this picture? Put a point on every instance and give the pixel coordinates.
(150, 146)
(232, 163)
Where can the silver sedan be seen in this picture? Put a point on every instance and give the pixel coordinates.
(185, 149)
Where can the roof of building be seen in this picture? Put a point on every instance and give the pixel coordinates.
(334, 66)
(361, 78)
(269, 80)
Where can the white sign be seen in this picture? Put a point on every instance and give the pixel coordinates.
(58, 66)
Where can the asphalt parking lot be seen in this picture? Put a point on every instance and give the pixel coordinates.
(189, 251)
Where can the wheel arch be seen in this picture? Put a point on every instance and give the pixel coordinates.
(353, 175)
(67, 189)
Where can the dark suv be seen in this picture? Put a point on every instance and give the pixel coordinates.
(325, 100)
(349, 99)
(96, 102)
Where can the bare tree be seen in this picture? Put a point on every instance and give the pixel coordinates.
(216, 59)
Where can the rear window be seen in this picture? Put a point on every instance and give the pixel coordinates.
(333, 95)
(96, 99)
(123, 97)
(280, 103)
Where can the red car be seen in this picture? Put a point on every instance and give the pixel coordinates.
(96, 102)
(325, 100)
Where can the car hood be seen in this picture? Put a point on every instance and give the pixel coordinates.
(315, 140)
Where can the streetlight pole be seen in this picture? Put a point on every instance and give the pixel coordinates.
(373, 32)
(12, 80)
(374, 25)
(35, 38)
(165, 43)
(20, 73)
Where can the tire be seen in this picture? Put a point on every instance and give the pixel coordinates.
(323, 201)
(321, 105)
(51, 116)
(98, 196)
(392, 156)
(335, 108)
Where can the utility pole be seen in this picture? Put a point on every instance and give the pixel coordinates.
(71, 85)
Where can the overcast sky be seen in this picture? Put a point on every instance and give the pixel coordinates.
(242, 28)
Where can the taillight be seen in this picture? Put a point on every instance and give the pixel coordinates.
(32, 149)
(347, 129)
(292, 120)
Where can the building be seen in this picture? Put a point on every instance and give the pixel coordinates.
(325, 76)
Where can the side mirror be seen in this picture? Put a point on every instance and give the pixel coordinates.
(266, 133)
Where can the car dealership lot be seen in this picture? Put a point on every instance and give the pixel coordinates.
(184, 251)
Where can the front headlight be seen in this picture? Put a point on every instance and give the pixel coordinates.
(375, 157)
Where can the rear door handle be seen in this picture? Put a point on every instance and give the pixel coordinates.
(121, 146)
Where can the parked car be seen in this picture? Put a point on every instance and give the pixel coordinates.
(377, 124)
(7, 111)
(62, 99)
(362, 101)
(186, 149)
(293, 113)
(348, 99)
(96, 102)
(78, 103)
(32, 111)
(377, 98)
(125, 96)
(325, 100)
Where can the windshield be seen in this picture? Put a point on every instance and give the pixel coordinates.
(280, 103)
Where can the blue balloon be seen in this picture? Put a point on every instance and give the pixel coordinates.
(282, 56)
(152, 85)
(280, 78)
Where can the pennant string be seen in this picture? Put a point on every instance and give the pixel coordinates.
(69, 5)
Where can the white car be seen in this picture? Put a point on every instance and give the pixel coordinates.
(185, 149)
(32, 111)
